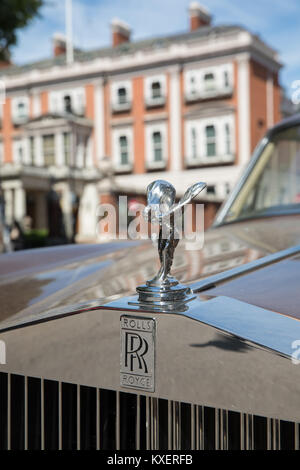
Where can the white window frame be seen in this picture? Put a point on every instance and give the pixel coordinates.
(80, 151)
(17, 119)
(49, 134)
(200, 125)
(150, 130)
(211, 140)
(115, 87)
(17, 145)
(78, 100)
(150, 101)
(116, 134)
(228, 138)
(199, 91)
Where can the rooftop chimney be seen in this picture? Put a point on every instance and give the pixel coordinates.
(199, 16)
(59, 44)
(120, 32)
(5, 60)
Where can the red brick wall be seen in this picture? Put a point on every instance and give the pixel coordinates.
(258, 102)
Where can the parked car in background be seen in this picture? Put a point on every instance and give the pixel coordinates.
(88, 367)
(5, 241)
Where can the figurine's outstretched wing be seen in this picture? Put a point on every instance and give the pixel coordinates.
(190, 194)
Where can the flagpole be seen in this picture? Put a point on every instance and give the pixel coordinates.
(69, 40)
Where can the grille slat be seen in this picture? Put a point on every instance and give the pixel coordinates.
(78, 418)
(87, 424)
(33, 418)
(246, 426)
(9, 412)
(17, 413)
(98, 419)
(296, 436)
(118, 420)
(42, 411)
(148, 436)
(43, 414)
(26, 413)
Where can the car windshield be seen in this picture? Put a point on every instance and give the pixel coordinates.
(273, 185)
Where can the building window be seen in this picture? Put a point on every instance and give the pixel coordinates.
(31, 150)
(67, 148)
(122, 95)
(194, 143)
(80, 104)
(209, 82)
(227, 140)
(226, 79)
(124, 154)
(193, 85)
(48, 150)
(21, 110)
(157, 147)
(210, 133)
(211, 189)
(20, 154)
(156, 90)
(67, 104)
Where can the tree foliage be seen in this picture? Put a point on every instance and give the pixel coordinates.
(14, 15)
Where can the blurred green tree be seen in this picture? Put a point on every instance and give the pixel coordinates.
(15, 14)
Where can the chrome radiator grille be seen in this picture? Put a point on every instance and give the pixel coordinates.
(44, 414)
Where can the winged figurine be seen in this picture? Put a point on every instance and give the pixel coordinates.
(161, 209)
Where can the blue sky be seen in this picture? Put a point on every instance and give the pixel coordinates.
(276, 21)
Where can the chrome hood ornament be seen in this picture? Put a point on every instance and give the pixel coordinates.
(164, 291)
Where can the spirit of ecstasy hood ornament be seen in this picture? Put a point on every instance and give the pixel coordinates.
(164, 291)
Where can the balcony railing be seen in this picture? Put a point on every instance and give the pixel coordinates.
(19, 120)
(155, 101)
(209, 160)
(120, 107)
(209, 93)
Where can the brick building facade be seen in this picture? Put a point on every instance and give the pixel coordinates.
(186, 107)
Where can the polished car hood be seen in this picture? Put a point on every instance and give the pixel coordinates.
(38, 280)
